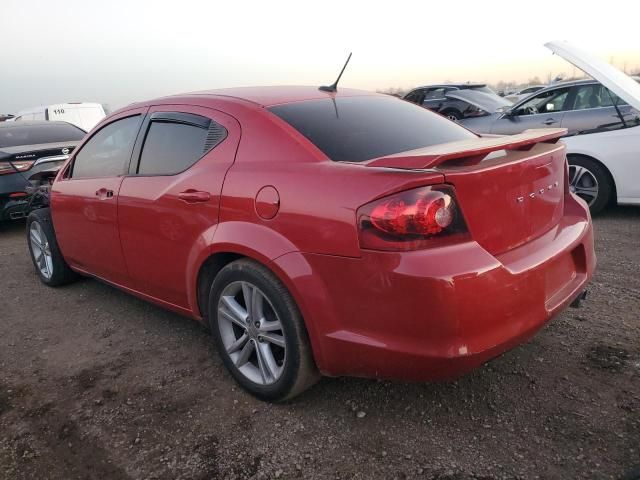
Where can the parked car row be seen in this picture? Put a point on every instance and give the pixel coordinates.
(602, 171)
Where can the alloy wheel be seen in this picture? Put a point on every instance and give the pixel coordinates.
(583, 183)
(251, 332)
(41, 250)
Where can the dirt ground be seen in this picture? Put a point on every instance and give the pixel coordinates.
(97, 384)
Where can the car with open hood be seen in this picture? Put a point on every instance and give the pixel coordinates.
(322, 231)
(601, 117)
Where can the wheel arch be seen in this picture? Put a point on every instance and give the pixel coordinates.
(235, 240)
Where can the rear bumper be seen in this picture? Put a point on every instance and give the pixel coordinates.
(12, 207)
(438, 313)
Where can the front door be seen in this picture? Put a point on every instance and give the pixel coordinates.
(546, 109)
(168, 204)
(84, 199)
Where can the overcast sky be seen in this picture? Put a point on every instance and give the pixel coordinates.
(120, 51)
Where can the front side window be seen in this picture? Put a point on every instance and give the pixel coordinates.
(355, 129)
(107, 153)
(171, 147)
(546, 102)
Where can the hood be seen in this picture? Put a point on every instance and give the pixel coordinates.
(608, 75)
(489, 102)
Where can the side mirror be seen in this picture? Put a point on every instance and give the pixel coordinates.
(505, 111)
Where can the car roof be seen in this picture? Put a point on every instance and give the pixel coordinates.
(31, 123)
(276, 95)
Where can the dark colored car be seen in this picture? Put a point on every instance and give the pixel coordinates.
(315, 232)
(25, 149)
(434, 97)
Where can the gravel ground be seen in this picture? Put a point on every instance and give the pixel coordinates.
(97, 384)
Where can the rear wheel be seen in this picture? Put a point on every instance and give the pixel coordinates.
(45, 254)
(590, 181)
(259, 332)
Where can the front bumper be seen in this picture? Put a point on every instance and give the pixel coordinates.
(438, 313)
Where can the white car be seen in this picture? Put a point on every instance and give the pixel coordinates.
(604, 163)
(83, 115)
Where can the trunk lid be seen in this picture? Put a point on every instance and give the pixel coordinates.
(510, 189)
(618, 82)
(43, 156)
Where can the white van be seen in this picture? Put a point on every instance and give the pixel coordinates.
(83, 115)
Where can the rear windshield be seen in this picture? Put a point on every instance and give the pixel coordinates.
(355, 129)
(16, 135)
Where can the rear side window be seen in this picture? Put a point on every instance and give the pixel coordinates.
(107, 153)
(355, 129)
(171, 147)
(17, 135)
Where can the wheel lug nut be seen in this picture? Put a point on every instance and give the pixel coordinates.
(257, 324)
(260, 339)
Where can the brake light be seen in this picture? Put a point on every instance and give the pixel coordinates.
(11, 167)
(411, 220)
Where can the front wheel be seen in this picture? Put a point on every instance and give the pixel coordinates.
(591, 182)
(43, 247)
(259, 332)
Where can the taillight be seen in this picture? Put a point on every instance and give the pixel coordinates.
(411, 220)
(11, 167)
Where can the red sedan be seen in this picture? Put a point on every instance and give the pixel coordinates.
(315, 232)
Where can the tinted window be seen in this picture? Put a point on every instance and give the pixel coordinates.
(171, 148)
(361, 128)
(107, 153)
(16, 135)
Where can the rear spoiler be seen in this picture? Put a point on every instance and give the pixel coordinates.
(467, 151)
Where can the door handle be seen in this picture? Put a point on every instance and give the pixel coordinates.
(104, 193)
(550, 121)
(194, 196)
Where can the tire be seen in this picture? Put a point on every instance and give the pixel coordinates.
(585, 175)
(452, 115)
(53, 271)
(285, 366)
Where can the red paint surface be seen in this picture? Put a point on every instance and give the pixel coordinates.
(425, 314)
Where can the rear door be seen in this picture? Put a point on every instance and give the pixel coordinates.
(168, 204)
(84, 199)
(546, 109)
